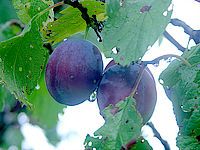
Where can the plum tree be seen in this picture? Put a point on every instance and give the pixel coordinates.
(118, 82)
(73, 71)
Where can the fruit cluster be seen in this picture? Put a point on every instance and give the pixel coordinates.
(75, 70)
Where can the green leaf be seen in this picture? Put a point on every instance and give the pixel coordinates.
(192, 125)
(9, 30)
(91, 36)
(6, 98)
(118, 129)
(186, 97)
(183, 81)
(188, 143)
(132, 26)
(189, 135)
(178, 96)
(7, 11)
(71, 21)
(45, 108)
(52, 136)
(142, 145)
(22, 59)
(27, 9)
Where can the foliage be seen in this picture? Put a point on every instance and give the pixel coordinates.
(127, 124)
(131, 26)
(185, 97)
(71, 21)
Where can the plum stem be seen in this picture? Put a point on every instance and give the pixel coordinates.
(55, 5)
(156, 60)
(47, 9)
(137, 81)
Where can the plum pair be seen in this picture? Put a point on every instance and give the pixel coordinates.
(75, 70)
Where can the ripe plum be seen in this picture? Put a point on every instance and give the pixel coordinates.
(73, 71)
(118, 82)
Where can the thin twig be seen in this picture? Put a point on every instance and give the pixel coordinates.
(187, 29)
(173, 41)
(156, 60)
(157, 135)
(194, 34)
(91, 22)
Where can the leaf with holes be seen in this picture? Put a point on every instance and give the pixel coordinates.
(189, 136)
(22, 59)
(27, 9)
(186, 97)
(132, 26)
(184, 82)
(127, 124)
(71, 21)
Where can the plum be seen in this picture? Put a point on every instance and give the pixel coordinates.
(73, 71)
(118, 82)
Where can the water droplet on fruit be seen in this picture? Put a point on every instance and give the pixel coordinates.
(156, 64)
(92, 97)
(30, 58)
(65, 39)
(71, 77)
(20, 69)
(37, 87)
(136, 93)
(167, 87)
(31, 46)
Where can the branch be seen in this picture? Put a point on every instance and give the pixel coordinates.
(173, 41)
(91, 22)
(157, 135)
(194, 34)
(156, 60)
